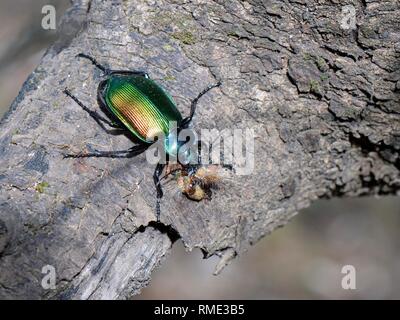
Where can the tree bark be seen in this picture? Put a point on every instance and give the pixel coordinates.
(322, 95)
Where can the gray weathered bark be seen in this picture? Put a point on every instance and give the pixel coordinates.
(323, 100)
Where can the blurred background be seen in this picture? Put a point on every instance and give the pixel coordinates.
(300, 261)
(23, 42)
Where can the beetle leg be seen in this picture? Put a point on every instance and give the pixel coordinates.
(129, 72)
(209, 161)
(185, 122)
(201, 144)
(156, 178)
(94, 61)
(98, 118)
(108, 71)
(130, 153)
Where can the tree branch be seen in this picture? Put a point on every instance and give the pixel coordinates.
(323, 101)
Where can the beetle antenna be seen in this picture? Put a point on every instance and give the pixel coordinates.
(94, 61)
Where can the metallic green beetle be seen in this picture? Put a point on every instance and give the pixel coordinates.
(136, 103)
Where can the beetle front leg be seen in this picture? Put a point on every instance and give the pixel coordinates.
(185, 122)
(156, 178)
